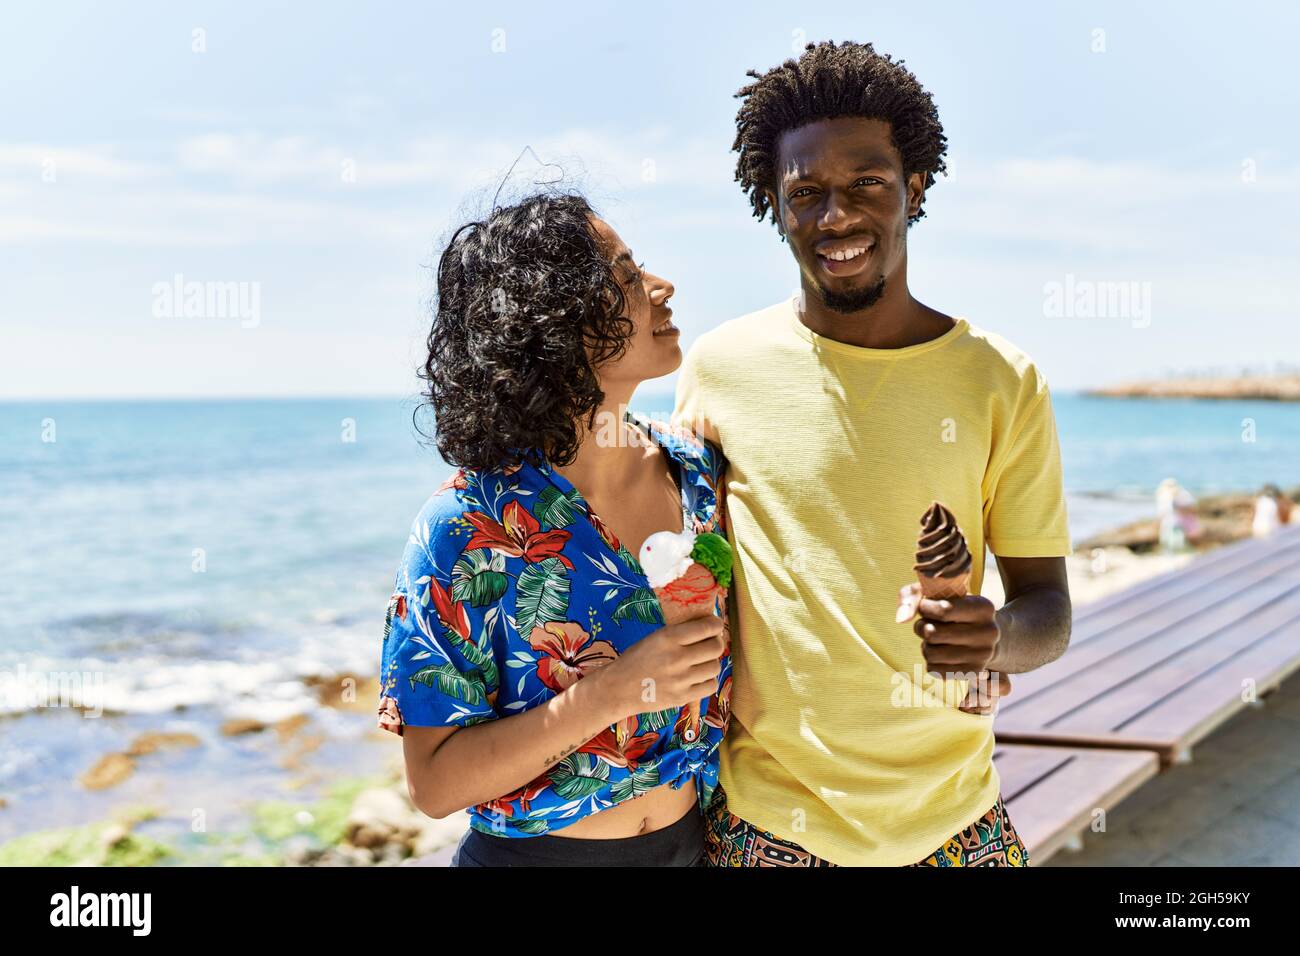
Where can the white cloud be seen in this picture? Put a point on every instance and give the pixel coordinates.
(639, 160)
(94, 163)
(222, 188)
(1143, 210)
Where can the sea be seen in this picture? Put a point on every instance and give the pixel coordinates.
(203, 560)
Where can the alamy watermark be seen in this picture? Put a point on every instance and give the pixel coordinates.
(181, 299)
(1097, 299)
(38, 689)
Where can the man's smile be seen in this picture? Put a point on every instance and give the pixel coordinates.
(844, 257)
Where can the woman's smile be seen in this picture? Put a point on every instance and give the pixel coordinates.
(666, 327)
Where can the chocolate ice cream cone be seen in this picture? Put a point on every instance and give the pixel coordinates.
(943, 562)
(943, 570)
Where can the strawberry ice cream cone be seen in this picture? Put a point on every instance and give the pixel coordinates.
(692, 595)
(689, 572)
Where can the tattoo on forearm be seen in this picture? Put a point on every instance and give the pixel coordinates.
(552, 761)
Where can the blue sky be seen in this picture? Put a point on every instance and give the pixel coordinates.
(317, 154)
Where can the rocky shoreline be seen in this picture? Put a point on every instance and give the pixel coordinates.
(1277, 388)
(1224, 518)
(360, 822)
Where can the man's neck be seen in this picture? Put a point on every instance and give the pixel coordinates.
(894, 321)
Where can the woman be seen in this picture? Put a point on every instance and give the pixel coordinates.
(526, 664)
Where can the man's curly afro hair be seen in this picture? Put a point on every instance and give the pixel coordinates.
(827, 81)
(528, 305)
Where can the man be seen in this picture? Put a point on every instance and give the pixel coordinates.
(844, 412)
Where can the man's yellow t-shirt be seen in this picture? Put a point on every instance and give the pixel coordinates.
(840, 740)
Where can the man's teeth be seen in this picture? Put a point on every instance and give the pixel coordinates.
(845, 254)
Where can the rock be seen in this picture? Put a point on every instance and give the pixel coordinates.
(354, 855)
(319, 857)
(291, 725)
(154, 741)
(241, 725)
(346, 691)
(300, 851)
(380, 816)
(108, 771)
(392, 855)
(439, 834)
(301, 856)
(304, 746)
(1137, 536)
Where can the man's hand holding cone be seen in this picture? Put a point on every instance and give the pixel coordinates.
(958, 631)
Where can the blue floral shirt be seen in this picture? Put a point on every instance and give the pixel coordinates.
(510, 590)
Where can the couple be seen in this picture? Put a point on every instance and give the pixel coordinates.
(526, 662)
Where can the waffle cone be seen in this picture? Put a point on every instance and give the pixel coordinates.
(937, 588)
(693, 594)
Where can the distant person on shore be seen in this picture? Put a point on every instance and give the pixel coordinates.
(1180, 526)
(1284, 504)
(844, 412)
(1272, 510)
(525, 660)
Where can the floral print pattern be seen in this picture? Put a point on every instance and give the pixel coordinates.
(510, 591)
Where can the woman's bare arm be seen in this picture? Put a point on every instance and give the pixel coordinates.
(451, 768)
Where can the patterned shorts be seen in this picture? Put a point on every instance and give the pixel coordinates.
(989, 841)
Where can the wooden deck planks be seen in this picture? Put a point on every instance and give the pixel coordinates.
(1166, 592)
(1182, 661)
(1053, 794)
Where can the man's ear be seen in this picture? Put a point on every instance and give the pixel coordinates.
(776, 211)
(915, 193)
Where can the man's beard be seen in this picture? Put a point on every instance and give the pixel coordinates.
(856, 301)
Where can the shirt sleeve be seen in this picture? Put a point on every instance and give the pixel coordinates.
(1024, 508)
(437, 668)
(690, 410)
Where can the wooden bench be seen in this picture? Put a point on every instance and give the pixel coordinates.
(1159, 666)
(1053, 794)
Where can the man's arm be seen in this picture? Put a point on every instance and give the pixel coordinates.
(1034, 623)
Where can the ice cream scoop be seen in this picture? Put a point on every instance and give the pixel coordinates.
(943, 570)
(688, 572)
(943, 562)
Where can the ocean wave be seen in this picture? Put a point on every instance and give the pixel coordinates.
(257, 684)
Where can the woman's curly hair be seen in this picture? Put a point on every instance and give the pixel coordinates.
(528, 306)
(827, 81)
